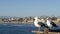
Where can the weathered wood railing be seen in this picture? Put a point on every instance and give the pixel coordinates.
(46, 31)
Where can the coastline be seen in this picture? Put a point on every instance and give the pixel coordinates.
(28, 23)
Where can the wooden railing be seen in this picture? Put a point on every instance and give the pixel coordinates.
(46, 31)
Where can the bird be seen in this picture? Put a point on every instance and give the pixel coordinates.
(38, 24)
(50, 23)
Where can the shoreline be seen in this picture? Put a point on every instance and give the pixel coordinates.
(28, 23)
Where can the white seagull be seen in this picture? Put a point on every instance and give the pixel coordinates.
(50, 23)
(38, 24)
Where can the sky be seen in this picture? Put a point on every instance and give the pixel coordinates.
(23, 8)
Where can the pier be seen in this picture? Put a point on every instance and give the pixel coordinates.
(46, 31)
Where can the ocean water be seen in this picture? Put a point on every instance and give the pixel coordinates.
(16, 29)
(21, 29)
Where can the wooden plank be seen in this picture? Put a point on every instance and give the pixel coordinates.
(37, 31)
(40, 32)
(46, 30)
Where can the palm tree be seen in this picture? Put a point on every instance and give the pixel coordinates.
(54, 18)
(20, 19)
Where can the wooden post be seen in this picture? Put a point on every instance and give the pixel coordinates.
(37, 33)
(46, 30)
(58, 33)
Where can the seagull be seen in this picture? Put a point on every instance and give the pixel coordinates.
(52, 26)
(38, 24)
(50, 23)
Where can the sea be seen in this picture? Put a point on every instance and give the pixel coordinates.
(21, 29)
(17, 29)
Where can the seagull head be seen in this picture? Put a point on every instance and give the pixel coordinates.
(36, 18)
